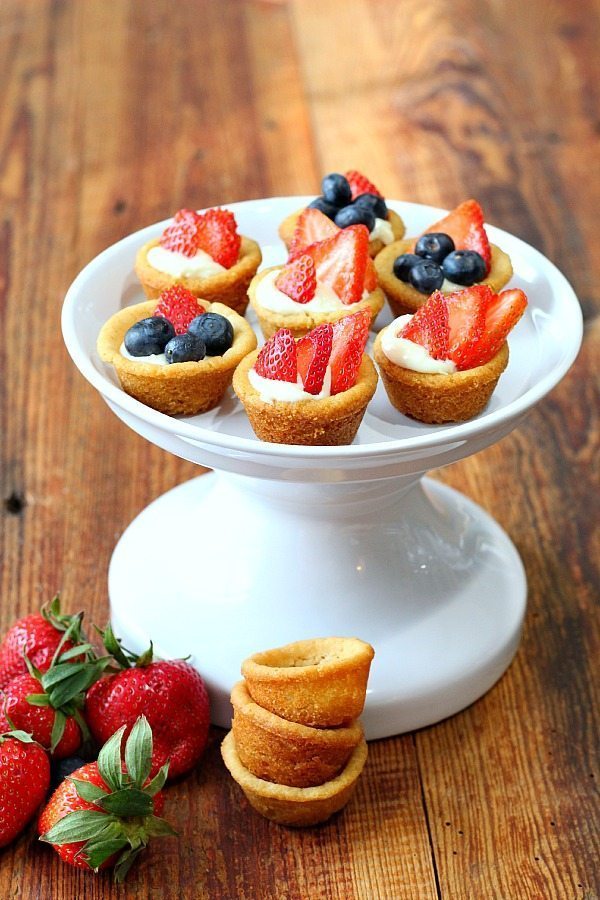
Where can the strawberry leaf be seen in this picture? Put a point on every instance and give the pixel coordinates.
(126, 860)
(88, 791)
(129, 801)
(78, 650)
(38, 699)
(22, 736)
(158, 782)
(97, 852)
(80, 825)
(109, 760)
(157, 827)
(58, 729)
(138, 751)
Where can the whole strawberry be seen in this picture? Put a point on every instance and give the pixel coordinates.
(105, 813)
(169, 693)
(24, 782)
(37, 636)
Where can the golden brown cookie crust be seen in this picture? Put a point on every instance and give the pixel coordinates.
(181, 388)
(295, 805)
(301, 322)
(437, 399)
(284, 752)
(404, 298)
(288, 226)
(328, 421)
(229, 287)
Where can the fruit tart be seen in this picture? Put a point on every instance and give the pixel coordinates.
(451, 254)
(176, 354)
(351, 199)
(329, 274)
(313, 391)
(205, 253)
(443, 363)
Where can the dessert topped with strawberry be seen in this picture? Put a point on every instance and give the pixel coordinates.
(205, 253)
(352, 199)
(313, 390)
(443, 363)
(452, 253)
(328, 273)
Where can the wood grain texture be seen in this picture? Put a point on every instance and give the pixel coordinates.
(112, 116)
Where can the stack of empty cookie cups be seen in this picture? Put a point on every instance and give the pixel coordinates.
(296, 748)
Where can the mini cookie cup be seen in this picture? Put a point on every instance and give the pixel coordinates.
(438, 399)
(404, 298)
(326, 421)
(284, 752)
(185, 388)
(376, 245)
(296, 806)
(229, 287)
(320, 682)
(301, 322)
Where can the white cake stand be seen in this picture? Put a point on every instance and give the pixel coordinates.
(288, 542)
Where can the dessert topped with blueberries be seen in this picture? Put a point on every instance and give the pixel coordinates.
(453, 253)
(351, 199)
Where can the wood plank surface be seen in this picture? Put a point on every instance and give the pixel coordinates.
(115, 114)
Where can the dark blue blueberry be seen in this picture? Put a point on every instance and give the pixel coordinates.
(464, 267)
(426, 276)
(374, 202)
(328, 209)
(149, 336)
(185, 348)
(336, 190)
(355, 215)
(435, 246)
(403, 264)
(216, 331)
(63, 767)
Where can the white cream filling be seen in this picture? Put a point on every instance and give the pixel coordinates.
(325, 299)
(383, 231)
(201, 265)
(409, 355)
(155, 359)
(288, 391)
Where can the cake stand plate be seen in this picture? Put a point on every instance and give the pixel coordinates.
(423, 574)
(283, 542)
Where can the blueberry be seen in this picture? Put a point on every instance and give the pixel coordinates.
(355, 215)
(426, 276)
(434, 246)
(185, 348)
(328, 209)
(374, 202)
(464, 267)
(403, 264)
(63, 767)
(336, 190)
(216, 331)
(149, 336)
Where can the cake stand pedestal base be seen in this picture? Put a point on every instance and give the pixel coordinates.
(226, 565)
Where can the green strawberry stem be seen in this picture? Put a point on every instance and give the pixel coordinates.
(125, 658)
(124, 821)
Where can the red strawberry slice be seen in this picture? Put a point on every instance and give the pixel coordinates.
(360, 184)
(277, 359)
(218, 236)
(429, 327)
(465, 226)
(313, 352)
(312, 226)
(349, 341)
(298, 279)
(371, 281)
(341, 262)
(466, 322)
(182, 235)
(502, 314)
(179, 306)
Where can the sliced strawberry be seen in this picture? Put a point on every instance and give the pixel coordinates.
(371, 281)
(312, 226)
(341, 262)
(179, 306)
(298, 279)
(360, 184)
(465, 226)
(502, 314)
(349, 341)
(466, 322)
(182, 235)
(277, 359)
(313, 352)
(429, 327)
(218, 236)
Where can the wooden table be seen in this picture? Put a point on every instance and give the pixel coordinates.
(113, 115)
